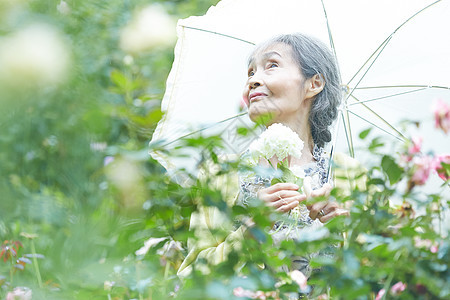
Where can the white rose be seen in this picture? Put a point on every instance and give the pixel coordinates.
(151, 27)
(278, 140)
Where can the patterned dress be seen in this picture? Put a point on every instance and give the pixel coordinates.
(317, 170)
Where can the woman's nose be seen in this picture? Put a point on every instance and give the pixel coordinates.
(255, 81)
(254, 84)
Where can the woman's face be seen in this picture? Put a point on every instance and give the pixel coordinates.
(275, 88)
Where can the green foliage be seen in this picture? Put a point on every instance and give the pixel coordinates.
(80, 196)
(391, 168)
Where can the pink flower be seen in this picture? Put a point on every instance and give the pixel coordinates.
(422, 167)
(244, 103)
(240, 292)
(380, 294)
(299, 278)
(439, 168)
(441, 112)
(260, 295)
(19, 293)
(419, 243)
(404, 160)
(398, 288)
(432, 246)
(416, 145)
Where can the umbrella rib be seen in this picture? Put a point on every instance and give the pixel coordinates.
(383, 44)
(327, 179)
(333, 144)
(403, 86)
(376, 126)
(382, 119)
(330, 36)
(386, 41)
(218, 33)
(204, 128)
(414, 15)
(388, 96)
(348, 133)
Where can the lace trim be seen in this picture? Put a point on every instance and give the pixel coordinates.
(322, 162)
(251, 186)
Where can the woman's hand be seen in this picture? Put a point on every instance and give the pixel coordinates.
(282, 196)
(323, 210)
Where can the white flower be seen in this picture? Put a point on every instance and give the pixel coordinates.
(108, 285)
(278, 140)
(125, 174)
(35, 55)
(151, 27)
(63, 8)
(170, 249)
(128, 60)
(151, 242)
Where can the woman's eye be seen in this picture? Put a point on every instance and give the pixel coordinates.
(273, 65)
(251, 73)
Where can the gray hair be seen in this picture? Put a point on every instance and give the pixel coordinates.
(314, 57)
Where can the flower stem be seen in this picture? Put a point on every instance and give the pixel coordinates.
(35, 263)
(391, 276)
(166, 271)
(166, 275)
(11, 276)
(138, 275)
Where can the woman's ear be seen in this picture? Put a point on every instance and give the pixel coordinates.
(314, 85)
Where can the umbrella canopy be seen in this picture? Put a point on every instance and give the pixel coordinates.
(393, 58)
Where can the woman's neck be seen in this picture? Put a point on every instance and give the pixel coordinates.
(306, 158)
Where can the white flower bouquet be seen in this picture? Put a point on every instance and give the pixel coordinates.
(277, 141)
(278, 144)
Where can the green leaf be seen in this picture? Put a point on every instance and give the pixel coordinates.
(299, 182)
(242, 131)
(276, 180)
(258, 234)
(119, 79)
(364, 133)
(239, 210)
(375, 143)
(390, 167)
(445, 169)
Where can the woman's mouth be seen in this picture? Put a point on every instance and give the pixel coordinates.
(256, 96)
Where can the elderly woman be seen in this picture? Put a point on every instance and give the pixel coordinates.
(292, 80)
